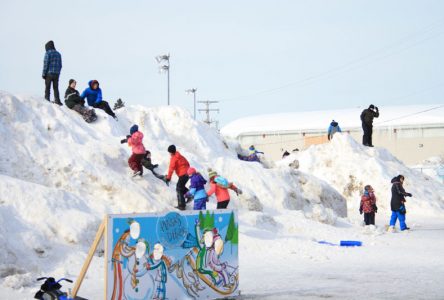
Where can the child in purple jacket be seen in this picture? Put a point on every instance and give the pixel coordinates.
(197, 190)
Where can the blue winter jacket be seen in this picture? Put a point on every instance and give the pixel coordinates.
(92, 96)
(333, 128)
(197, 187)
(52, 64)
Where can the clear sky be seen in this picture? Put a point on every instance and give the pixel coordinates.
(255, 57)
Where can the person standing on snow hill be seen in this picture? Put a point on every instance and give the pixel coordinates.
(333, 128)
(52, 65)
(74, 102)
(134, 140)
(368, 205)
(220, 186)
(94, 96)
(197, 189)
(367, 117)
(180, 165)
(398, 203)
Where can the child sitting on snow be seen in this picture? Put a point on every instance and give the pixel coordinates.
(220, 186)
(368, 205)
(252, 155)
(134, 140)
(74, 102)
(197, 189)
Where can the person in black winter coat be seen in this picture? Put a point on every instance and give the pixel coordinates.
(367, 117)
(74, 102)
(52, 66)
(397, 203)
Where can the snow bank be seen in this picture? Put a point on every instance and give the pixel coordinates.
(349, 166)
(59, 176)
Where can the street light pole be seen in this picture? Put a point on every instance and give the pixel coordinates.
(165, 67)
(193, 91)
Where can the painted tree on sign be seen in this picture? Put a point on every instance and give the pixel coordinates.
(232, 232)
(207, 221)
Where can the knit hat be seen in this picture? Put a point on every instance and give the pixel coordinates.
(172, 149)
(133, 129)
(191, 171)
(211, 173)
(371, 106)
(71, 81)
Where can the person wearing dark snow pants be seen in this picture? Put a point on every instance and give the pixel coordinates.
(148, 164)
(368, 205)
(94, 96)
(197, 189)
(134, 140)
(367, 117)
(332, 129)
(220, 186)
(74, 102)
(398, 203)
(52, 66)
(180, 165)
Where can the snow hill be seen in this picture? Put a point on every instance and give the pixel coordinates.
(348, 166)
(60, 175)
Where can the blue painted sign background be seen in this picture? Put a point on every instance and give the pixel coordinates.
(176, 255)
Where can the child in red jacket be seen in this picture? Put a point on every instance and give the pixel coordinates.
(180, 165)
(368, 205)
(220, 187)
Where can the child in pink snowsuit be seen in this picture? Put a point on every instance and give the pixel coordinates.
(135, 142)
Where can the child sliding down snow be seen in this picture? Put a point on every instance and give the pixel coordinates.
(197, 190)
(368, 205)
(147, 163)
(134, 140)
(252, 155)
(220, 186)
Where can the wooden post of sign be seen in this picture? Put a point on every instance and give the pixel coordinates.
(87, 262)
(106, 257)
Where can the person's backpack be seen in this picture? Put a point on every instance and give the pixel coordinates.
(222, 182)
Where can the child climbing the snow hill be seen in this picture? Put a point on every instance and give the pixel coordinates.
(197, 189)
(368, 205)
(178, 164)
(219, 186)
(134, 140)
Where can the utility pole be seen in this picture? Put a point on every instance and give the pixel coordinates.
(207, 111)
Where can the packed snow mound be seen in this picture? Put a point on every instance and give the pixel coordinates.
(59, 176)
(349, 166)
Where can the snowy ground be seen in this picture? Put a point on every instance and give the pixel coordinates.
(59, 176)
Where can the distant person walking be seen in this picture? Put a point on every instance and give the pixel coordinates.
(333, 128)
(367, 117)
(397, 203)
(52, 65)
(94, 96)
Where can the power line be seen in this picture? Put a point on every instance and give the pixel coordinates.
(355, 62)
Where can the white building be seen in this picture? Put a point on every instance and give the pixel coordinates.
(412, 133)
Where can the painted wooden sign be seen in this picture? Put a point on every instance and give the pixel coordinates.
(177, 255)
